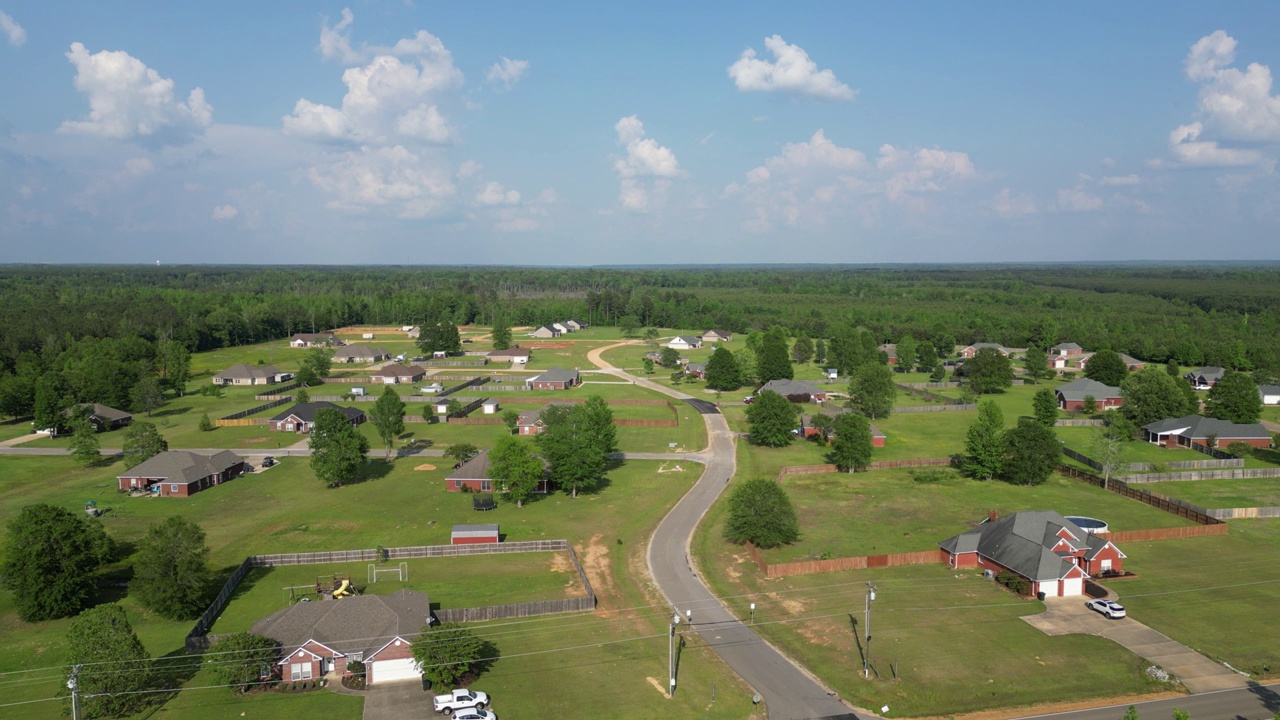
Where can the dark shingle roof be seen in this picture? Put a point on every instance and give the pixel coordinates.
(1023, 543)
(1076, 390)
(360, 351)
(102, 412)
(306, 412)
(183, 465)
(785, 387)
(397, 370)
(477, 468)
(363, 623)
(1209, 372)
(1198, 426)
(555, 374)
(245, 371)
(1066, 346)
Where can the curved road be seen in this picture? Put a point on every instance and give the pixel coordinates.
(788, 692)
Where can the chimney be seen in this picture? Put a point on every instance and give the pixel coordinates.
(991, 516)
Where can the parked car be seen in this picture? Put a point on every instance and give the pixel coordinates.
(749, 399)
(1109, 608)
(474, 714)
(460, 699)
(268, 461)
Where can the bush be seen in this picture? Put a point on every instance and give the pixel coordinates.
(1013, 581)
(1239, 449)
(761, 512)
(930, 477)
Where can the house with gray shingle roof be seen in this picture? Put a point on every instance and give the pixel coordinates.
(181, 473)
(1205, 377)
(714, 336)
(1200, 430)
(1270, 394)
(302, 416)
(474, 475)
(1053, 554)
(317, 638)
(1071, 395)
(794, 389)
(696, 369)
(554, 379)
(971, 350)
(544, 331)
(102, 417)
(360, 354)
(1131, 362)
(245, 374)
(685, 342)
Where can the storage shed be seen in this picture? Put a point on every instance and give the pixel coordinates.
(473, 534)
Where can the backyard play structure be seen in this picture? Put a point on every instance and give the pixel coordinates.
(402, 572)
(326, 587)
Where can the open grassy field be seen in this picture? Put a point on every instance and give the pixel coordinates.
(945, 635)
(1251, 492)
(888, 511)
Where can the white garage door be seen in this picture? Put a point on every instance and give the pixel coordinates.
(1073, 587)
(392, 670)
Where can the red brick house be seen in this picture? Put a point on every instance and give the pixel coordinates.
(808, 430)
(302, 416)
(181, 473)
(102, 417)
(1197, 429)
(970, 351)
(1205, 377)
(554, 379)
(397, 374)
(1071, 396)
(320, 638)
(1051, 553)
(795, 390)
(474, 476)
(890, 351)
(1131, 362)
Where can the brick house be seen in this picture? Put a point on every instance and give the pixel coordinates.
(102, 418)
(360, 354)
(302, 416)
(969, 351)
(1051, 553)
(890, 351)
(1071, 395)
(397, 374)
(181, 473)
(1063, 354)
(515, 356)
(696, 369)
(795, 389)
(715, 336)
(554, 379)
(808, 430)
(474, 475)
(1134, 364)
(1205, 377)
(245, 374)
(530, 421)
(319, 638)
(1197, 429)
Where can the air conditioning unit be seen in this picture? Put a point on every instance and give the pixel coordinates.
(989, 574)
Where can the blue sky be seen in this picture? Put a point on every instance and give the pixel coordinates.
(583, 133)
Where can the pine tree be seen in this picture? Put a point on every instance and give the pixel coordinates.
(773, 363)
(984, 445)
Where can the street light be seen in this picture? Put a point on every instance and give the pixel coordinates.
(866, 655)
(753, 613)
(671, 653)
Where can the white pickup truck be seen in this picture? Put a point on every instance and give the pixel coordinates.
(459, 699)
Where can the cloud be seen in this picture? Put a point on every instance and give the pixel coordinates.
(1077, 199)
(706, 138)
(225, 212)
(1119, 180)
(925, 170)
(1008, 205)
(494, 194)
(413, 184)
(335, 42)
(646, 170)
(1185, 144)
(792, 71)
(17, 36)
(128, 99)
(506, 72)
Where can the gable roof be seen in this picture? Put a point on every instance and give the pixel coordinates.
(1199, 426)
(696, 367)
(1066, 346)
(363, 623)
(687, 339)
(979, 346)
(398, 370)
(1076, 390)
(889, 349)
(183, 466)
(306, 412)
(245, 371)
(511, 352)
(360, 351)
(477, 468)
(785, 387)
(806, 420)
(717, 333)
(1024, 542)
(1265, 390)
(555, 374)
(1209, 372)
(102, 412)
(529, 417)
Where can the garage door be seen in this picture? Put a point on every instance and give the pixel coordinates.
(392, 670)
(1073, 587)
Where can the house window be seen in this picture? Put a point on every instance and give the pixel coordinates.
(486, 486)
(1106, 566)
(173, 488)
(300, 671)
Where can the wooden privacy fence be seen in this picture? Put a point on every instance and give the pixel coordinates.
(482, 420)
(1140, 466)
(278, 392)
(580, 603)
(929, 384)
(1233, 474)
(1158, 502)
(928, 396)
(469, 383)
(1244, 513)
(1079, 422)
(1211, 452)
(223, 421)
(1124, 536)
(935, 408)
(242, 422)
(810, 567)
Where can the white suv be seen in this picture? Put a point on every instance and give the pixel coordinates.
(1109, 608)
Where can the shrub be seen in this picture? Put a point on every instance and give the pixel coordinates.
(761, 512)
(930, 477)
(1013, 581)
(1239, 449)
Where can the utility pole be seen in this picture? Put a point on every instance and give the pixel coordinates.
(671, 653)
(866, 654)
(73, 684)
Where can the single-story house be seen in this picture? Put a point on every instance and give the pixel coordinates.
(300, 417)
(318, 638)
(181, 473)
(696, 369)
(530, 421)
(544, 332)
(1066, 349)
(808, 430)
(397, 374)
(684, 342)
(1071, 395)
(474, 475)
(793, 389)
(490, 406)
(891, 352)
(475, 534)
(1270, 394)
(969, 351)
(1051, 553)
(1197, 429)
(563, 328)
(554, 379)
(575, 325)
(1205, 377)
(314, 340)
(715, 336)
(515, 356)
(1131, 362)
(361, 354)
(102, 417)
(408, 328)
(245, 374)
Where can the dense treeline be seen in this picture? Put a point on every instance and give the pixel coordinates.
(55, 317)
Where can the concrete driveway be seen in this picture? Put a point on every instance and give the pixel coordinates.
(398, 701)
(1069, 616)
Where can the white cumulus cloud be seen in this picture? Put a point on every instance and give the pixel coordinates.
(17, 36)
(1119, 180)
(128, 99)
(1077, 199)
(506, 72)
(225, 212)
(791, 71)
(646, 170)
(415, 185)
(1008, 205)
(1187, 146)
(494, 194)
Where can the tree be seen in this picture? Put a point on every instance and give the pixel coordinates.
(926, 357)
(207, 424)
(306, 376)
(501, 333)
(824, 424)
(1032, 453)
(851, 450)
(802, 350)
(84, 438)
(600, 430)
(746, 361)
(142, 441)
(906, 352)
(668, 357)
(989, 371)
(114, 666)
(939, 372)
(447, 652)
(651, 337)
(1045, 407)
(984, 447)
(440, 337)
(871, 390)
(50, 403)
(1090, 405)
(761, 513)
(453, 407)
(1106, 367)
(514, 463)
(146, 394)
(1108, 449)
(315, 367)
(820, 351)
(462, 452)
(773, 363)
(387, 416)
(1172, 369)
(1151, 395)
(771, 419)
(722, 371)
(647, 362)
(171, 570)
(511, 419)
(302, 396)
(1036, 364)
(50, 556)
(628, 325)
(1235, 399)
(241, 659)
(175, 364)
(337, 448)
(572, 447)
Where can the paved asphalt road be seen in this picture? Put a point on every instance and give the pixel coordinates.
(1257, 702)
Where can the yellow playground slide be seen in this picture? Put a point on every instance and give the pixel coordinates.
(344, 589)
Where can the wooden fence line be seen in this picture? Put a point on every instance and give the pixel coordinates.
(928, 396)
(256, 410)
(1140, 466)
(1158, 502)
(242, 422)
(810, 567)
(935, 408)
(581, 603)
(1244, 513)
(951, 384)
(278, 392)
(878, 465)
(1233, 474)
(490, 420)
(481, 380)
(1079, 422)
(1178, 533)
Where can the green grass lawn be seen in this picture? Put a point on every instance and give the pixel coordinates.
(15, 428)
(948, 634)
(1252, 492)
(888, 511)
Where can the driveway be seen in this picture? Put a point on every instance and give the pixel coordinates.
(398, 701)
(1069, 616)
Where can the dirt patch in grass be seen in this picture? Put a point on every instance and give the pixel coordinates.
(255, 440)
(1054, 708)
(827, 632)
(425, 466)
(560, 563)
(657, 685)
(597, 564)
